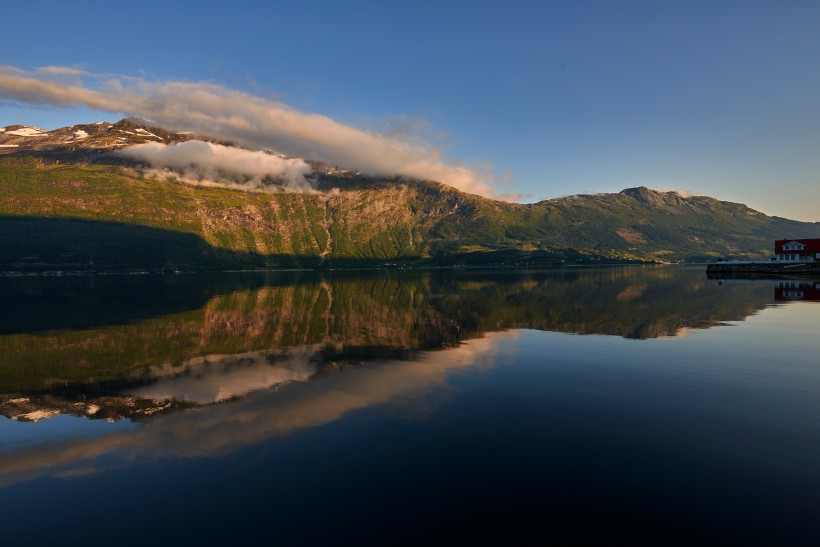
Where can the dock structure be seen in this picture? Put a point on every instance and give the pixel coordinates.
(765, 268)
(792, 257)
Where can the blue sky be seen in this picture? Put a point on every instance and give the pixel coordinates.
(717, 98)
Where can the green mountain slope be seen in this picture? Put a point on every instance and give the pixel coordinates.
(55, 215)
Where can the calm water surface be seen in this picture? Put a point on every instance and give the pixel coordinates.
(643, 405)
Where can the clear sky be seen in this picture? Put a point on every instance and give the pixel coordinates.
(717, 97)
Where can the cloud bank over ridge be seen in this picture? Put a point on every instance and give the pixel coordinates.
(198, 162)
(254, 121)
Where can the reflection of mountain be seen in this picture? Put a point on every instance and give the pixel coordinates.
(349, 319)
(150, 391)
(261, 356)
(220, 429)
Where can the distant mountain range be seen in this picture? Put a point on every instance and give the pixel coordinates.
(68, 201)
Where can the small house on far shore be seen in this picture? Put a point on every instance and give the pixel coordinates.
(797, 250)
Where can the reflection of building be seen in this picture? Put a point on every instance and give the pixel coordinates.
(797, 250)
(797, 290)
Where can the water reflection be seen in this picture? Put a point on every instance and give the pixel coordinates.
(227, 427)
(238, 334)
(217, 378)
(217, 339)
(443, 374)
(351, 317)
(787, 291)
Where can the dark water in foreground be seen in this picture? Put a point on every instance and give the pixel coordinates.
(594, 406)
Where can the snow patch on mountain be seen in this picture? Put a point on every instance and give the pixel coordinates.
(28, 132)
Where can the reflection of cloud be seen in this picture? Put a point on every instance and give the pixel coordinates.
(221, 429)
(682, 332)
(215, 378)
(632, 292)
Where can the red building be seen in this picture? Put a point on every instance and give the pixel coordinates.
(797, 250)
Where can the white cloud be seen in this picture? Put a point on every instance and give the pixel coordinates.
(200, 162)
(61, 71)
(213, 109)
(682, 191)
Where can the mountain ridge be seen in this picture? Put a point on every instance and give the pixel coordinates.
(76, 205)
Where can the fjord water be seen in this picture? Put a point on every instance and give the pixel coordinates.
(646, 404)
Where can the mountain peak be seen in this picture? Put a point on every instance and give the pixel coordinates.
(654, 197)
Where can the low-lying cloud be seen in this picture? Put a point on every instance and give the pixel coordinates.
(204, 163)
(682, 191)
(254, 121)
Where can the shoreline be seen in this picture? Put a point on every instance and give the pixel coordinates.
(75, 273)
(764, 269)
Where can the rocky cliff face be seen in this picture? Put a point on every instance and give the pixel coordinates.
(654, 197)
